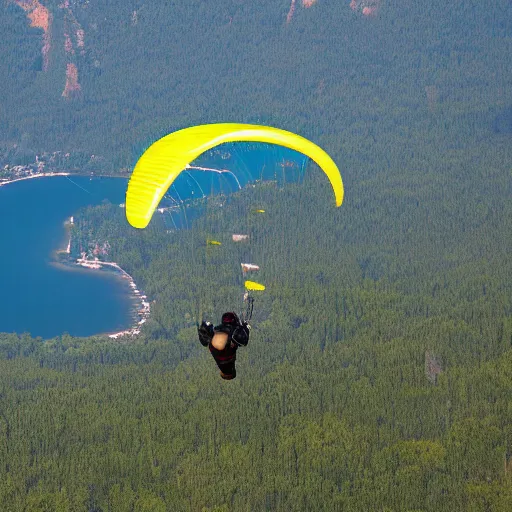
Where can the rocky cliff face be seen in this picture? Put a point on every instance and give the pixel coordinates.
(303, 3)
(41, 16)
(366, 7)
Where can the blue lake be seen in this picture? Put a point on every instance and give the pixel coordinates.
(44, 299)
(38, 297)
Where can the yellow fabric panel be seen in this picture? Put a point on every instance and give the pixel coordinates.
(252, 285)
(163, 161)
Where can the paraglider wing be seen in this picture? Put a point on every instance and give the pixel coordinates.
(254, 286)
(163, 161)
(248, 267)
(240, 238)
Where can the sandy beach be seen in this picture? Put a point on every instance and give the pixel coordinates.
(145, 307)
(31, 176)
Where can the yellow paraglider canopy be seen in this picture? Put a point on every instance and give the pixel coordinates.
(163, 161)
(253, 285)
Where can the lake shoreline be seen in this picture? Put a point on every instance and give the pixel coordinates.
(140, 312)
(59, 199)
(32, 176)
(141, 309)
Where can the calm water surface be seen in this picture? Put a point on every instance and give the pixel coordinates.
(46, 300)
(36, 296)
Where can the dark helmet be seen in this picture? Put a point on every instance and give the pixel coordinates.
(230, 319)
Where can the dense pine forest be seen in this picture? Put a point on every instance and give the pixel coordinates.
(378, 376)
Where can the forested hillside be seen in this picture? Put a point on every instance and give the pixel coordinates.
(357, 85)
(378, 376)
